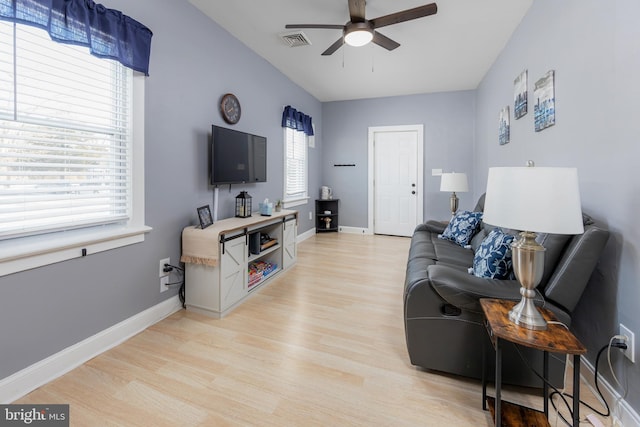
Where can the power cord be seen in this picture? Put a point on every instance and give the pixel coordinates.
(621, 345)
(563, 395)
(555, 390)
(168, 268)
(626, 387)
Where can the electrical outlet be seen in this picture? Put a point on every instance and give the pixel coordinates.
(164, 275)
(310, 215)
(161, 272)
(164, 284)
(630, 352)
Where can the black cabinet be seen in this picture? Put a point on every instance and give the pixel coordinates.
(327, 215)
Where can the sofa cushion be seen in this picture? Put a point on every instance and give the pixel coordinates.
(422, 245)
(554, 245)
(493, 257)
(449, 253)
(462, 227)
(477, 238)
(464, 290)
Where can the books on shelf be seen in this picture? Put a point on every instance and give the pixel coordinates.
(267, 244)
(258, 270)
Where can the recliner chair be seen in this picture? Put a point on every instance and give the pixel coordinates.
(444, 324)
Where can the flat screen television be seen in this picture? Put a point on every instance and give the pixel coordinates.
(237, 157)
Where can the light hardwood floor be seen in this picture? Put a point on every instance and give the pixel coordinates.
(321, 345)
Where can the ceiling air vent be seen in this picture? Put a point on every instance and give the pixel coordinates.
(295, 39)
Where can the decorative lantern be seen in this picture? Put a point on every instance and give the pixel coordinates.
(243, 205)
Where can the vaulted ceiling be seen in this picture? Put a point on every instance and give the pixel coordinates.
(451, 50)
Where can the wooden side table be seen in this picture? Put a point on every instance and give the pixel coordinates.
(556, 338)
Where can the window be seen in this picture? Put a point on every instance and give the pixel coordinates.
(295, 173)
(67, 158)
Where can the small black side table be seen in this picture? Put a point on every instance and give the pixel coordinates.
(327, 221)
(555, 338)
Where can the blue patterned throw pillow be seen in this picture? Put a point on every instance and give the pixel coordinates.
(462, 227)
(493, 258)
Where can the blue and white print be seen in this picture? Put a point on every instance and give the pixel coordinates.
(462, 227)
(493, 257)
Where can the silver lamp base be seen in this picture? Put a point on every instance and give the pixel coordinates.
(526, 314)
(528, 265)
(453, 203)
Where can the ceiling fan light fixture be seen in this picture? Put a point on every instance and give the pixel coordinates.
(359, 31)
(358, 34)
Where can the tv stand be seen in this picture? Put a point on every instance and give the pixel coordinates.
(226, 262)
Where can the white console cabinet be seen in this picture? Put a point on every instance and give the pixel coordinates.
(227, 261)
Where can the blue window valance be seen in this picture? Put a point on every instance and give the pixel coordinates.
(294, 119)
(107, 32)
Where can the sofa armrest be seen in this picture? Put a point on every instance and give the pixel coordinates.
(566, 285)
(464, 290)
(433, 226)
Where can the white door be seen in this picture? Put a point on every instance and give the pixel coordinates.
(397, 179)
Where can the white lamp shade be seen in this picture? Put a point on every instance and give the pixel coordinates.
(454, 182)
(538, 199)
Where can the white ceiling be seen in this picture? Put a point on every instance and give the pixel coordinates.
(449, 51)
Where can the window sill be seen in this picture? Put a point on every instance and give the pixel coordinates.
(36, 251)
(287, 204)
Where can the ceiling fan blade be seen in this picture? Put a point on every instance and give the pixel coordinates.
(405, 15)
(356, 10)
(329, 27)
(384, 41)
(337, 45)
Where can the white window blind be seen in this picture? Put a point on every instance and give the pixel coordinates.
(65, 135)
(295, 164)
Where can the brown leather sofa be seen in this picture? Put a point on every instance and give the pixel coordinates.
(443, 320)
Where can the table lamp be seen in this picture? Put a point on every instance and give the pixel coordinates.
(532, 199)
(454, 182)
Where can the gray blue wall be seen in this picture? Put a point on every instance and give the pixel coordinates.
(594, 47)
(448, 120)
(193, 63)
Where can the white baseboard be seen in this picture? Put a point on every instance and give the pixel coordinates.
(622, 414)
(354, 230)
(349, 230)
(306, 235)
(46, 370)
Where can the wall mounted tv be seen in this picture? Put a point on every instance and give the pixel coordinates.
(237, 157)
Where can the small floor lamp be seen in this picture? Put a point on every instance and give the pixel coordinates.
(454, 182)
(533, 199)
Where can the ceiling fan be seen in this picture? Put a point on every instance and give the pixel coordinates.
(360, 31)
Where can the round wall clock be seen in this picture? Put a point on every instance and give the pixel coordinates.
(230, 108)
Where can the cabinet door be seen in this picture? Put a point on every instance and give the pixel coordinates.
(289, 251)
(233, 271)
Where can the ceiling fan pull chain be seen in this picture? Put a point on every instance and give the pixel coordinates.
(373, 59)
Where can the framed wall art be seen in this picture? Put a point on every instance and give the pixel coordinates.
(504, 127)
(544, 109)
(520, 94)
